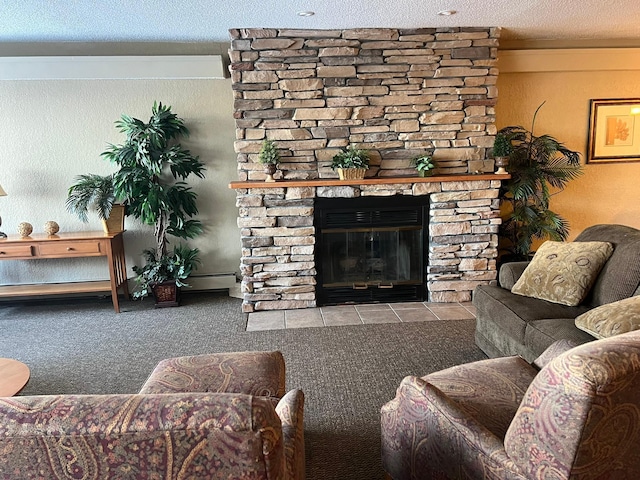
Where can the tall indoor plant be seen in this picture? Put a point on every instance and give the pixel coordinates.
(152, 169)
(537, 165)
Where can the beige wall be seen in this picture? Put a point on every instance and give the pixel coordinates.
(55, 130)
(606, 193)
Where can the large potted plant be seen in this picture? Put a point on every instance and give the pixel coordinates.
(351, 163)
(96, 192)
(540, 166)
(152, 169)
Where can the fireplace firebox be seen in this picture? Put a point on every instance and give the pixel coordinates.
(371, 249)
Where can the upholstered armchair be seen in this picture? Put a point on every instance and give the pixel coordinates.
(199, 417)
(578, 417)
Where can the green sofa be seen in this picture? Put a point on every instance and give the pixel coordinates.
(510, 324)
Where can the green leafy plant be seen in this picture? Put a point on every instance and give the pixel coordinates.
(269, 154)
(175, 266)
(502, 145)
(350, 157)
(423, 164)
(152, 169)
(538, 164)
(91, 191)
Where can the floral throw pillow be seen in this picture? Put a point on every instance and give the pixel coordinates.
(612, 318)
(563, 272)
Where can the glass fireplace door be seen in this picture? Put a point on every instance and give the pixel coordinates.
(378, 257)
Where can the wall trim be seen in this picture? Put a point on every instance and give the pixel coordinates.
(568, 60)
(112, 67)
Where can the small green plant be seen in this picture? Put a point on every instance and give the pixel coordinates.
(269, 154)
(350, 157)
(423, 164)
(91, 191)
(502, 146)
(175, 266)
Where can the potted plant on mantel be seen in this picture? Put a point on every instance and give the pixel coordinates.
(423, 164)
(269, 157)
(96, 192)
(501, 151)
(153, 167)
(536, 163)
(351, 163)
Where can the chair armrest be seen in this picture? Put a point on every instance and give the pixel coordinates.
(510, 273)
(410, 448)
(253, 373)
(290, 409)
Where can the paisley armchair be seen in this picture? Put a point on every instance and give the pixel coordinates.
(578, 417)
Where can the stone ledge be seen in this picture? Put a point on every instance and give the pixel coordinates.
(368, 181)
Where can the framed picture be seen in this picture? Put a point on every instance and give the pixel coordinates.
(614, 130)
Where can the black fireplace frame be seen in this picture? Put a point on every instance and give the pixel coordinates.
(384, 211)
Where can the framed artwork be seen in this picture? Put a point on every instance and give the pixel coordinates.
(614, 130)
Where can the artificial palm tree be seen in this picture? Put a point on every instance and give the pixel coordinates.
(152, 169)
(536, 164)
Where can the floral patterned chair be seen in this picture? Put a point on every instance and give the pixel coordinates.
(578, 417)
(198, 417)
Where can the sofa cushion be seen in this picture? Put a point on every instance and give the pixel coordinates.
(563, 272)
(611, 319)
(620, 276)
(540, 334)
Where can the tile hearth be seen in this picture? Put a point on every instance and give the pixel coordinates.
(359, 315)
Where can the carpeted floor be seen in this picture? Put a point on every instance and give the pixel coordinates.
(346, 372)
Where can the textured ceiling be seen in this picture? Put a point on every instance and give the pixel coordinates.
(210, 20)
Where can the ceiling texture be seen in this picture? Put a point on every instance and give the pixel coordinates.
(195, 21)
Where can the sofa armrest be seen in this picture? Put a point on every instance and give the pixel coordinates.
(552, 351)
(510, 273)
(290, 409)
(253, 373)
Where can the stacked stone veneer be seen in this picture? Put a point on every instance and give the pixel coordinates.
(396, 93)
(278, 239)
(393, 92)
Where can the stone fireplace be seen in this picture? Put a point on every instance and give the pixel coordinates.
(396, 93)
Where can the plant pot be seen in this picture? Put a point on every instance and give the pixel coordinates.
(166, 294)
(425, 173)
(351, 173)
(115, 222)
(501, 162)
(269, 169)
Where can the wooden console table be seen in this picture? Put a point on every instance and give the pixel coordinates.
(68, 245)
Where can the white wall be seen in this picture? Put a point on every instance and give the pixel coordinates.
(54, 130)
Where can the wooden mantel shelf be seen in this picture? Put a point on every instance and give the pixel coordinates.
(333, 182)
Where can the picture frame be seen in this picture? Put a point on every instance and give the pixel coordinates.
(614, 130)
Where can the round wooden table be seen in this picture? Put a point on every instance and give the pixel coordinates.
(14, 375)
